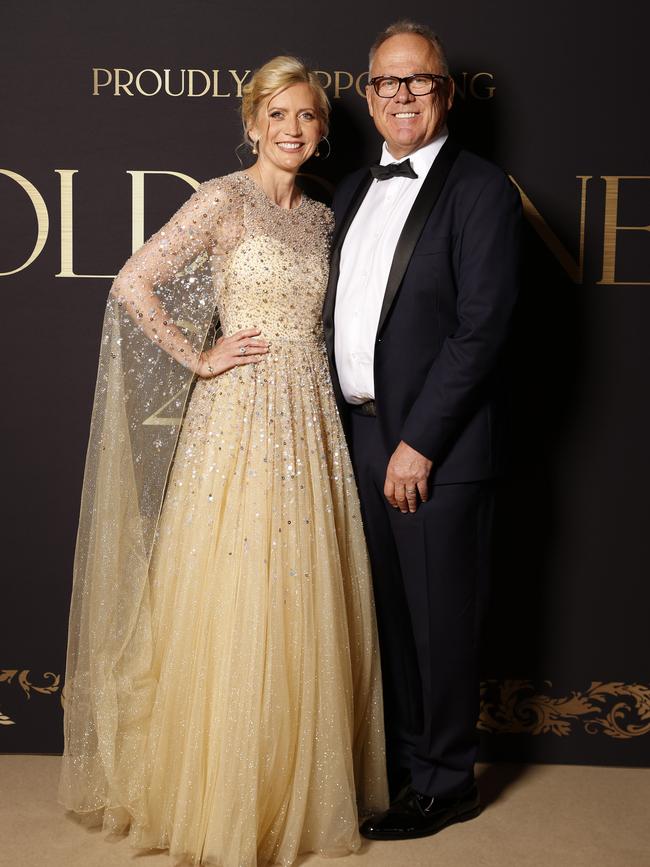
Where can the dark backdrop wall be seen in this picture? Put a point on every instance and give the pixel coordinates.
(111, 112)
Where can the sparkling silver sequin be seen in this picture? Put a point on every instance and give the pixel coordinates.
(259, 734)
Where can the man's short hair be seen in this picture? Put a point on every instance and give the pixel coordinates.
(405, 25)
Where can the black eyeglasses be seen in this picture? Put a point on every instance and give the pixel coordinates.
(419, 84)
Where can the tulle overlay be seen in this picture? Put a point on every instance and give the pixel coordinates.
(237, 720)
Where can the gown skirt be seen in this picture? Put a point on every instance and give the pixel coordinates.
(250, 729)
(266, 733)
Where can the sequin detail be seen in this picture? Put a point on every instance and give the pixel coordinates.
(262, 737)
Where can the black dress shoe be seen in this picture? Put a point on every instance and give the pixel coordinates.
(416, 815)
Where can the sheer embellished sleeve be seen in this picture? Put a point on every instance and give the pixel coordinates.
(200, 233)
(158, 318)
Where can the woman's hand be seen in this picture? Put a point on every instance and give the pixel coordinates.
(244, 347)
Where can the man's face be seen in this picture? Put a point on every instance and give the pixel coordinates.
(405, 121)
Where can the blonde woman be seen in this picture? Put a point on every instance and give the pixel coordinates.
(223, 695)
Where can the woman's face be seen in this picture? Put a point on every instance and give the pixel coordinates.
(287, 129)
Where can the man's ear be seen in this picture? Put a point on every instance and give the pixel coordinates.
(451, 94)
(369, 99)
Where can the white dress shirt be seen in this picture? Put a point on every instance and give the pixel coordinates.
(366, 258)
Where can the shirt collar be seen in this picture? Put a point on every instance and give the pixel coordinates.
(421, 159)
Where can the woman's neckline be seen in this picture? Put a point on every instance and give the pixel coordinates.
(273, 204)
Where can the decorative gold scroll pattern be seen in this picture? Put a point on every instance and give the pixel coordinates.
(616, 709)
(8, 675)
(619, 710)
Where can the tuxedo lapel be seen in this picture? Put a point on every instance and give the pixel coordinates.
(419, 214)
(337, 243)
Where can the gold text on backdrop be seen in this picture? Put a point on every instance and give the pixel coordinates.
(42, 219)
(612, 228)
(574, 266)
(119, 81)
(574, 269)
(179, 82)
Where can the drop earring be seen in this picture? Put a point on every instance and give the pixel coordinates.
(329, 147)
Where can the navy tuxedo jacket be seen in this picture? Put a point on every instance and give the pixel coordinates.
(446, 314)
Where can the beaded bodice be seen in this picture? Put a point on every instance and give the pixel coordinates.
(276, 275)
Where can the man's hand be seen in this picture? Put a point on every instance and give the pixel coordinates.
(407, 473)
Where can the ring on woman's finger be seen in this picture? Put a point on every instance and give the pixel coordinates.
(242, 350)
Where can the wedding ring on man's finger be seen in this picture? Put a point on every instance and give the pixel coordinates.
(410, 490)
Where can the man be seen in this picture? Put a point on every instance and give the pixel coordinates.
(422, 288)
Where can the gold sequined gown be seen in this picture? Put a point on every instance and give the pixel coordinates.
(267, 721)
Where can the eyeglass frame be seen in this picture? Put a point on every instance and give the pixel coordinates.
(435, 78)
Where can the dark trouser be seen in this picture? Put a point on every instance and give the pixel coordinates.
(430, 576)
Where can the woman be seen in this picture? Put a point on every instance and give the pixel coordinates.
(223, 691)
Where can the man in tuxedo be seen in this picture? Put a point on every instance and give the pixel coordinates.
(422, 288)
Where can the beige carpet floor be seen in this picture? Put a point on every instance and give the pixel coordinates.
(556, 816)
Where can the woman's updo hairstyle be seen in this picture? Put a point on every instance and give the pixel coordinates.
(278, 74)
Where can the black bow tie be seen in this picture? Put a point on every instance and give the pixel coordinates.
(393, 170)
